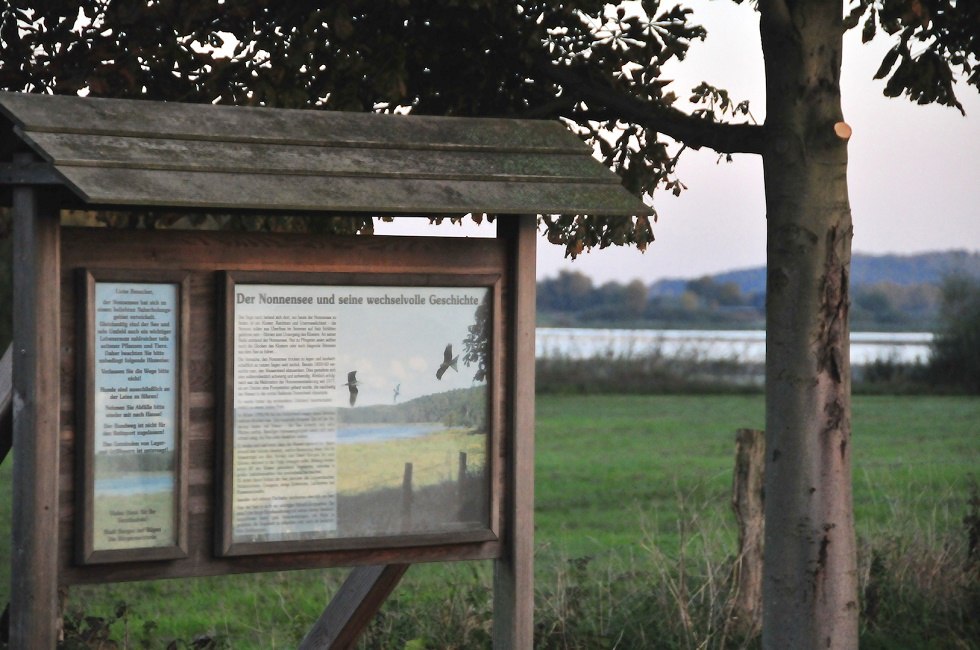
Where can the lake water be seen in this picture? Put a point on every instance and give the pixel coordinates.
(135, 484)
(747, 346)
(347, 434)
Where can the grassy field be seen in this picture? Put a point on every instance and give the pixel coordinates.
(629, 489)
(150, 517)
(435, 459)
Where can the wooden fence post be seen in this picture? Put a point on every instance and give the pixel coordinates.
(461, 479)
(747, 503)
(407, 498)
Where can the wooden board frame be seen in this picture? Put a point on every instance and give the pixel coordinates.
(205, 256)
(226, 434)
(85, 441)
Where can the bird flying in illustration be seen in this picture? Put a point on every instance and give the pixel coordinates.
(398, 389)
(448, 361)
(352, 385)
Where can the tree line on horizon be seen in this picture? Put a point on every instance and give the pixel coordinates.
(900, 294)
(949, 308)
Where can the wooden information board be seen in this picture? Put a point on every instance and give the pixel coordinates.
(132, 415)
(287, 401)
(356, 415)
(148, 397)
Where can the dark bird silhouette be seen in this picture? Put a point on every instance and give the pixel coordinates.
(398, 390)
(448, 361)
(352, 385)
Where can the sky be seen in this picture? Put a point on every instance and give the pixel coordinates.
(394, 338)
(913, 173)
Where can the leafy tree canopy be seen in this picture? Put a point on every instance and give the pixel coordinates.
(595, 64)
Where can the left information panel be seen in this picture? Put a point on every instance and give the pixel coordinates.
(132, 465)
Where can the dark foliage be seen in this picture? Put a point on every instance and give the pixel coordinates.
(933, 39)
(955, 359)
(360, 55)
(82, 632)
(595, 65)
(571, 299)
(476, 345)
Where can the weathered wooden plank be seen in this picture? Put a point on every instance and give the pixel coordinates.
(205, 565)
(513, 624)
(353, 607)
(36, 381)
(251, 251)
(66, 114)
(84, 150)
(6, 402)
(125, 152)
(30, 174)
(179, 189)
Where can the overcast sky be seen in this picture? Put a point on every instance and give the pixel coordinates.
(913, 175)
(395, 344)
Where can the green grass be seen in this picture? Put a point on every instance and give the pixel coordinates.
(146, 511)
(626, 486)
(435, 458)
(613, 472)
(913, 457)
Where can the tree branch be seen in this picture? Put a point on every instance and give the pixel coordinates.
(689, 130)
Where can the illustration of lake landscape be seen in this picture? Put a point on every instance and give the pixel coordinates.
(416, 467)
(360, 412)
(134, 500)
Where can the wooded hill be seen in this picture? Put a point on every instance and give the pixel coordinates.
(889, 292)
(462, 407)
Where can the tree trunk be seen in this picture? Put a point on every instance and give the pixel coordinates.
(810, 575)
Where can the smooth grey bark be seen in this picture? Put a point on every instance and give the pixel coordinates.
(810, 574)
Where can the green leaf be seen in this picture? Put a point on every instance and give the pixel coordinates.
(854, 17)
(870, 28)
(887, 63)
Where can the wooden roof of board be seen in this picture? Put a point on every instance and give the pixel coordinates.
(112, 152)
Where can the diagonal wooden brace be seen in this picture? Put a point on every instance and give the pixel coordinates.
(353, 607)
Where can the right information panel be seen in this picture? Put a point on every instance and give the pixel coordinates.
(357, 413)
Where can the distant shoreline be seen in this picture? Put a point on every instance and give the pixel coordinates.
(742, 346)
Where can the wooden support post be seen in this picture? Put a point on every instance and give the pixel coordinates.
(6, 441)
(747, 502)
(513, 620)
(6, 402)
(36, 400)
(353, 607)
